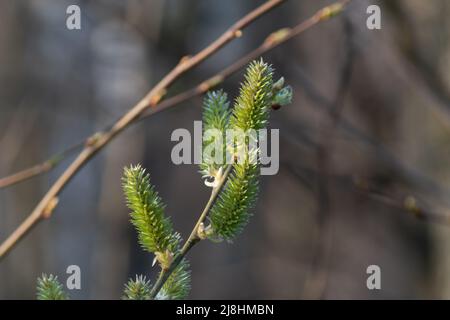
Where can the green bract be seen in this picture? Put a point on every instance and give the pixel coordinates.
(178, 284)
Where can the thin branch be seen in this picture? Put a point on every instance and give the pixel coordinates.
(193, 238)
(101, 139)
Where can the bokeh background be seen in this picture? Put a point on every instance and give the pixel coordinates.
(365, 142)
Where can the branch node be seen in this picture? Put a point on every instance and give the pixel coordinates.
(164, 259)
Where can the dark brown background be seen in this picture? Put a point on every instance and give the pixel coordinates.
(313, 234)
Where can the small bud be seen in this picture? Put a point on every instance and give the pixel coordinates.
(277, 86)
(50, 207)
(331, 11)
(164, 259)
(410, 204)
(92, 140)
(184, 59)
(282, 97)
(276, 106)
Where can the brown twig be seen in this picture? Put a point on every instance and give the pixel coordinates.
(101, 139)
(39, 168)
